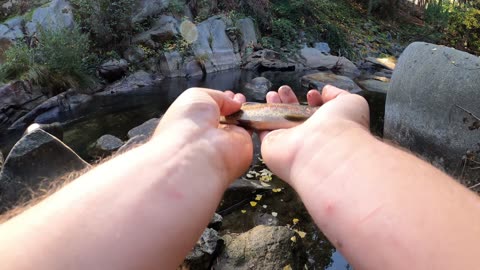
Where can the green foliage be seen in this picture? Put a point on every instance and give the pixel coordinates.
(58, 62)
(176, 6)
(437, 14)
(284, 30)
(463, 30)
(109, 22)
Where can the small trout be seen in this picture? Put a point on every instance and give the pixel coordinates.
(271, 116)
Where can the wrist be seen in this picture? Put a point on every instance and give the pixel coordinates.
(329, 151)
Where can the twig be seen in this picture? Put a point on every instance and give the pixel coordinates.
(469, 112)
(474, 186)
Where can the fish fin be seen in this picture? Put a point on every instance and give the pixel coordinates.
(251, 103)
(295, 117)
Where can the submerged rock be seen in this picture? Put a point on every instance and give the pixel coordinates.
(263, 247)
(37, 160)
(321, 79)
(257, 89)
(106, 145)
(376, 86)
(133, 142)
(146, 129)
(432, 107)
(216, 222)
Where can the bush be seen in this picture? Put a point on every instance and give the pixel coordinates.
(109, 22)
(463, 31)
(284, 30)
(436, 14)
(58, 62)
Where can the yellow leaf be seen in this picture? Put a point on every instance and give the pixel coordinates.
(258, 198)
(244, 211)
(253, 204)
(277, 190)
(301, 234)
(288, 267)
(295, 221)
(294, 239)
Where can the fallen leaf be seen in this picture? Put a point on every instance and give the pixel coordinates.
(275, 214)
(244, 211)
(277, 190)
(259, 198)
(294, 239)
(253, 204)
(265, 206)
(295, 221)
(301, 234)
(288, 267)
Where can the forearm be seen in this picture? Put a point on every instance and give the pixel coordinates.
(142, 210)
(386, 209)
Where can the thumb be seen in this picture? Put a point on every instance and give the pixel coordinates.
(278, 151)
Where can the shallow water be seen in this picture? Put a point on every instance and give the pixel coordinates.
(80, 134)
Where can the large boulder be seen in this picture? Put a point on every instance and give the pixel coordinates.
(17, 98)
(146, 129)
(214, 45)
(376, 86)
(432, 107)
(263, 247)
(248, 32)
(35, 161)
(321, 79)
(316, 59)
(58, 14)
(257, 89)
(113, 70)
(164, 28)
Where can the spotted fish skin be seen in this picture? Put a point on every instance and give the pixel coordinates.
(270, 116)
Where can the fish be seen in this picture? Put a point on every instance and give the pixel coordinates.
(270, 116)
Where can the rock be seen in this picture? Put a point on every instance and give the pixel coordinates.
(376, 86)
(173, 64)
(132, 83)
(315, 59)
(34, 162)
(321, 79)
(132, 143)
(58, 14)
(203, 253)
(257, 89)
(10, 32)
(149, 8)
(214, 46)
(113, 70)
(165, 28)
(387, 63)
(146, 129)
(248, 36)
(263, 247)
(1, 160)
(322, 47)
(54, 129)
(106, 145)
(216, 222)
(134, 55)
(16, 99)
(264, 60)
(432, 107)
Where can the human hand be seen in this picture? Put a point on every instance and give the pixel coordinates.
(317, 142)
(192, 122)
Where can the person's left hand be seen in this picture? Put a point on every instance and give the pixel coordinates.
(192, 124)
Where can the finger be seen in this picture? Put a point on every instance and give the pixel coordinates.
(314, 98)
(330, 92)
(273, 97)
(287, 95)
(240, 98)
(276, 152)
(229, 94)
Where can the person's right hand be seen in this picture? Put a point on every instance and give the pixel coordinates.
(323, 142)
